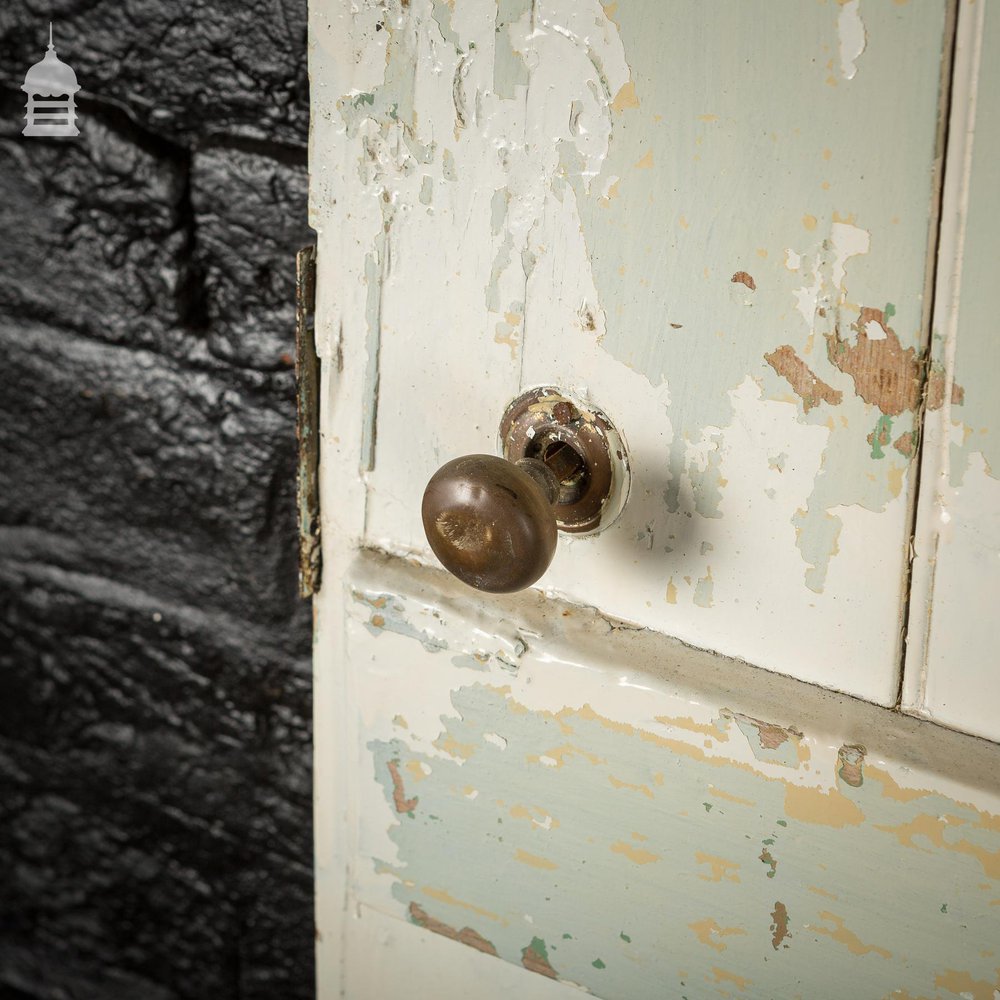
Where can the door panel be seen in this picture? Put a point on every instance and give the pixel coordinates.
(605, 807)
(952, 669)
(715, 225)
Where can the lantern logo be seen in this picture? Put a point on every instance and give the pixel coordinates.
(51, 87)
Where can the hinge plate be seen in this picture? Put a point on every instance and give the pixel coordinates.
(307, 422)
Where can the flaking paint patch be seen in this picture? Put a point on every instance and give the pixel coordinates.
(388, 613)
(625, 98)
(725, 976)
(534, 860)
(466, 935)
(720, 793)
(885, 374)
(851, 33)
(808, 386)
(828, 808)
(635, 854)
(767, 858)
(934, 829)
(719, 868)
(850, 764)
(845, 936)
(778, 744)
(963, 985)
(708, 932)
(399, 799)
(779, 925)
(703, 590)
(535, 958)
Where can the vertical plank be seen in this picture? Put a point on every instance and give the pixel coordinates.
(951, 671)
(729, 256)
(437, 140)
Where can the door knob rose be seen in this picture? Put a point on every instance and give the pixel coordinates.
(493, 522)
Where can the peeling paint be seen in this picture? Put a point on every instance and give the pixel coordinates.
(884, 374)
(779, 926)
(850, 764)
(811, 389)
(842, 935)
(466, 935)
(778, 744)
(768, 859)
(535, 958)
(851, 30)
(399, 799)
(388, 613)
(708, 932)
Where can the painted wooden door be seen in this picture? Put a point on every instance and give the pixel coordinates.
(674, 769)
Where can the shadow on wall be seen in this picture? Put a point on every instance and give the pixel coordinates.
(155, 799)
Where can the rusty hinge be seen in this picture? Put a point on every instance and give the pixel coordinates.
(307, 421)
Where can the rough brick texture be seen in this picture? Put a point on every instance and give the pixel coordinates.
(155, 834)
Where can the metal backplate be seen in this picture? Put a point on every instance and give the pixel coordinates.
(575, 437)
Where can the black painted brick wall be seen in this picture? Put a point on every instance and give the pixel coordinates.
(155, 833)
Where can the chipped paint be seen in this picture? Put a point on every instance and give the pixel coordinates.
(535, 958)
(778, 744)
(466, 935)
(851, 32)
(708, 932)
(884, 374)
(842, 935)
(399, 799)
(811, 389)
(779, 926)
(850, 764)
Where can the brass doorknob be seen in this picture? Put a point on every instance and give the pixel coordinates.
(493, 522)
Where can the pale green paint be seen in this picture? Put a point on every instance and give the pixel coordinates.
(442, 14)
(977, 357)
(389, 613)
(664, 248)
(509, 70)
(703, 590)
(498, 210)
(621, 928)
(448, 166)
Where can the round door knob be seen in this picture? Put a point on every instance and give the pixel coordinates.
(491, 522)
